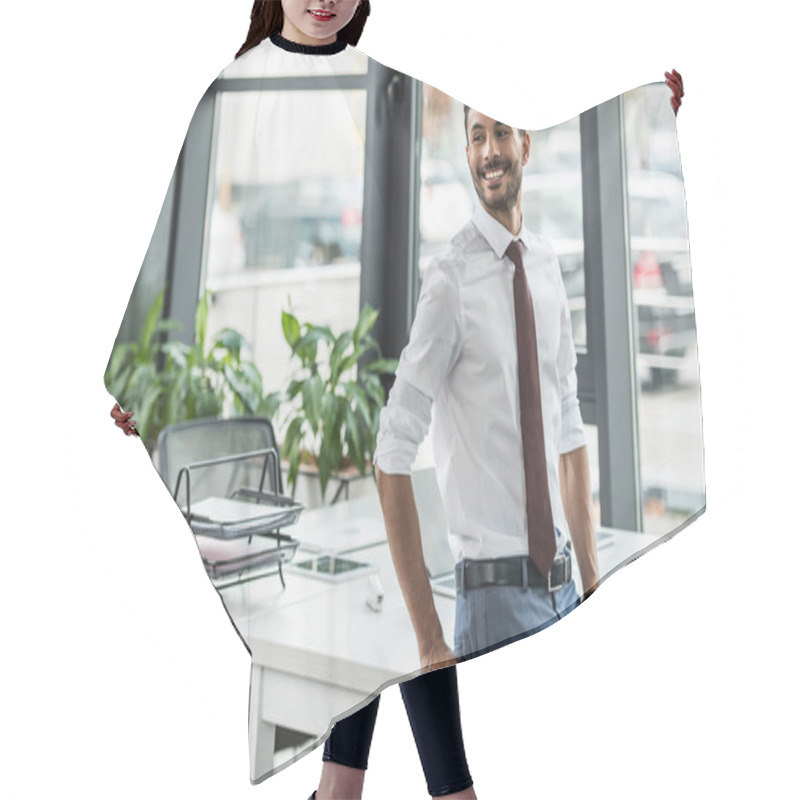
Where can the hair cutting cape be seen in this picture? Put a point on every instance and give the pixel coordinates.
(311, 196)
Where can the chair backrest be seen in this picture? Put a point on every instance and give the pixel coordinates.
(199, 440)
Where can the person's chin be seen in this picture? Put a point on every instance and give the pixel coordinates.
(497, 201)
(497, 191)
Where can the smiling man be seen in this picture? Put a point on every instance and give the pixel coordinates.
(490, 364)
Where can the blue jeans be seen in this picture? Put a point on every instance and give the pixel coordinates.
(491, 616)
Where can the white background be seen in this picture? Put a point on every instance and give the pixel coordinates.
(121, 675)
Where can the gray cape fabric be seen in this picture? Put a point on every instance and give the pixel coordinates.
(310, 190)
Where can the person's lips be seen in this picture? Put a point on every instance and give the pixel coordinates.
(322, 16)
(494, 174)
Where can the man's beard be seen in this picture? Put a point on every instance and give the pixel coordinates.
(509, 199)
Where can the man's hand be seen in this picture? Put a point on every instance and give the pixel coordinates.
(576, 495)
(124, 420)
(675, 83)
(438, 655)
(587, 593)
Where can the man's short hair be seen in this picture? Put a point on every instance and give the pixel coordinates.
(522, 131)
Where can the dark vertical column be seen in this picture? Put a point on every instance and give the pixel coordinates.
(188, 221)
(389, 241)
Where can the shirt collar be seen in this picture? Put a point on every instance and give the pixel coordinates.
(497, 236)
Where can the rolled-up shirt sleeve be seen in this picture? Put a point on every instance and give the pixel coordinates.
(432, 349)
(573, 434)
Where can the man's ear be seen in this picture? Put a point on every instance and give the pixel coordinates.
(526, 148)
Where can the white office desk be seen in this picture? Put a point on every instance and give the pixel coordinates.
(318, 650)
(341, 528)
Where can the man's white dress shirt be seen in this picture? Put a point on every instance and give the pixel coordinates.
(458, 373)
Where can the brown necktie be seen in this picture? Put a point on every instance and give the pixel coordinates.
(541, 531)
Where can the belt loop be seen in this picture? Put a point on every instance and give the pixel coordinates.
(463, 568)
(525, 574)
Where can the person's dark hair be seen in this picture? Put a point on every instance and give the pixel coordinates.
(266, 19)
(522, 131)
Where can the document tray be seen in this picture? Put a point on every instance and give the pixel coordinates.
(245, 512)
(235, 517)
(226, 558)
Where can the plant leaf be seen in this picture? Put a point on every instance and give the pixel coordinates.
(366, 319)
(324, 472)
(172, 402)
(293, 433)
(382, 366)
(269, 405)
(355, 444)
(337, 353)
(207, 403)
(143, 378)
(291, 328)
(149, 327)
(166, 325)
(119, 388)
(305, 347)
(312, 401)
(295, 387)
(253, 375)
(245, 386)
(230, 340)
(119, 356)
(119, 372)
(144, 412)
(201, 321)
(177, 354)
(331, 449)
(351, 360)
(359, 399)
(291, 449)
(374, 389)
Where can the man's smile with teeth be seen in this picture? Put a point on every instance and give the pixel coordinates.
(494, 174)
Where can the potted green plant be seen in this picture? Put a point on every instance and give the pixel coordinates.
(335, 398)
(167, 382)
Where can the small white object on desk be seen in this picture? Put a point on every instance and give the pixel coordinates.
(375, 597)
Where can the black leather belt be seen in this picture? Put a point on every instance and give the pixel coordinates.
(515, 571)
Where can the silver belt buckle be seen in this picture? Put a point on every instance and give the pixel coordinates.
(565, 573)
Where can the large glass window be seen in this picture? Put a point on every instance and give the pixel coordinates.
(283, 227)
(670, 423)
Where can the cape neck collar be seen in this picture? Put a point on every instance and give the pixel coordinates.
(308, 49)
